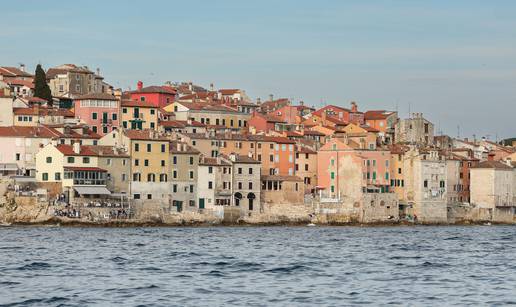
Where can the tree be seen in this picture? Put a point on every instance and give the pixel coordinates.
(41, 88)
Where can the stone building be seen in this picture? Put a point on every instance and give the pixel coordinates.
(69, 80)
(184, 162)
(214, 188)
(246, 183)
(425, 185)
(414, 130)
(493, 185)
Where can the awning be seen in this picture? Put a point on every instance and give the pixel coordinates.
(8, 167)
(92, 190)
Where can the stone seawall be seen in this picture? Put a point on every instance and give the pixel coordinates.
(28, 210)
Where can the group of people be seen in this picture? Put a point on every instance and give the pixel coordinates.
(67, 212)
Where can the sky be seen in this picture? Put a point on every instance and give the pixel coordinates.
(454, 61)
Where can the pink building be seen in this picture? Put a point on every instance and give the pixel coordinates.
(346, 170)
(99, 111)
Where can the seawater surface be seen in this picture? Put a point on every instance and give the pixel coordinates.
(258, 266)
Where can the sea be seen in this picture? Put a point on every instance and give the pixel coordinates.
(258, 266)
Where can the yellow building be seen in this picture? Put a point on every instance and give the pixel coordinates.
(209, 114)
(150, 165)
(139, 115)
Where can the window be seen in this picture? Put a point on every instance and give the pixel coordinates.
(191, 160)
(70, 160)
(114, 116)
(174, 174)
(399, 170)
(174, 188)
(149, 147)
(124, 124)
(250, 171)
(332, 175)
(136, 147)
(210, 185)
(86, 160)
(17, 157)
(162, 162)
(94, 115)
(44, 176)
(136, 162)
(240, 185)
(191, 174)
(174, 160)
(306, 167)
(240, 171)
(146, 162)
(250, 185)
(151, 177)
(191, 188)
(124, 177)
(425, 184)
(210, 169)
(387, 176)
(152, 111)
(163, 148)
(57, 176)
(137, 177)
(124, 110)
(142, 98)
(49, 159)
(163, 177)
(149, 196)
(136, 196)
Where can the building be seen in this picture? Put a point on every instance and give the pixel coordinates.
(210, 114)
(70, 81)
(149, 154)
(37, 115)
(493, 185)
(276, 154)
(184, 163)
(306, 167)
(100, 111)
(414, 130)
(72, 170)
(245, 183)
(282, 190)
(425, 186)
(214, 184)
(139, 115)
(21, 144)
(157, 96)
(9, 74)
(383, 121)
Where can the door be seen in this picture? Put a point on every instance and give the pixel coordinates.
(201, 203)
(250, 204)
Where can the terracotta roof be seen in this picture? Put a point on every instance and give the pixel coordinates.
(185, 148)
(312, 132)
(368, 128)
(280, 178)
(96, 96)
(144, 135)
(13, 72)
(33, 99)
(305, 150)
(106, 151)
(67, 150)
(180, 124)
(243, 159)
(493, 165)
(164, 89)
(29, 132)
(274, 104)
(377, 114)
(137, 103)
(229, 91)
(43, 111)
(26, 83)
(213, 162)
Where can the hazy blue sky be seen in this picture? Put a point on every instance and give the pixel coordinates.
(455, 61)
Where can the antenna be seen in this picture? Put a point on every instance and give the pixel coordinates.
(409, 110)
(458, 131)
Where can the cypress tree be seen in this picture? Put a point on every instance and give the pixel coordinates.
(41, 88)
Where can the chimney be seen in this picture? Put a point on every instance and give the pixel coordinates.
(22, 67)
(323, 117)
(76, 148)
(212, 88)
(271, 97)
(354, 107)
(258, 101)
(301, 103)
(232, 157)
(189, 121)
(139, 85)
(98, 71)
(190, 86)
(490, 156)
